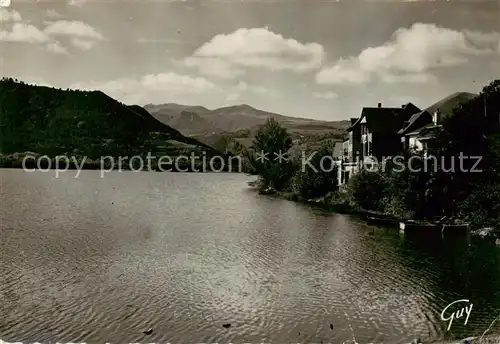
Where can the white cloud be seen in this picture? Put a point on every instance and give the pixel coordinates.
(51, 13)
(255, 48)
(243, 87)
(9, 15)
(415, 78)
(172, 82)
(24, 33)
(81, 43)
(159, 88)
(240, 90)
(216, 67)
(56, 48)
(411, 51)
(231, 97)
(152, 87)
(72, 28)
(326, 95)
(343, 72)
(77, 3)
(490, 40)
(84, 36)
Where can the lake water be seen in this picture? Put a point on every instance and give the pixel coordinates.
(101, 260)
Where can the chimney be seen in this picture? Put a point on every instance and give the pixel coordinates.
(379, 105)
(403, 106)
(435, 117)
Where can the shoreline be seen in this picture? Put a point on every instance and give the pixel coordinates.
(93, 165)
(345, 207)
(107, 169)
(342, 207)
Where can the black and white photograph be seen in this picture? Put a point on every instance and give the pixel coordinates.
(250, 171)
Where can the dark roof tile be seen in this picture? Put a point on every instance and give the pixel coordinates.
(416, 121)
(386, 120)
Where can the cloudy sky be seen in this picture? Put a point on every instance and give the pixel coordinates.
(320, 59)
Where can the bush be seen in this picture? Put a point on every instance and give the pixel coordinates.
(368, 189)
(319, 177)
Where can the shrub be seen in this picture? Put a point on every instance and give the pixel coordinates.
(319, 177)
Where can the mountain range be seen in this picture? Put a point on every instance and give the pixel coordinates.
(72, 122)
(239, 122)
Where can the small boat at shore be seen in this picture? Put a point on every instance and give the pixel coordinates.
(414, 226)
(455, 229)
(382, 221)
(436, 228)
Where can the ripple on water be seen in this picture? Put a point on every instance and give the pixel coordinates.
(184, 257)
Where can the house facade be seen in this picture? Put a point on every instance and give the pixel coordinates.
(382, 132)
(350, 151)
(374, 135)
(379, 129)
(421, 129)
(417, 137)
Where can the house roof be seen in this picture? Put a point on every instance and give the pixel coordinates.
(425, 133)
(413, 133)
(416, 121)
(376, 118)
(445, 106)
(428, 131)
(384, 119)
(411, 108)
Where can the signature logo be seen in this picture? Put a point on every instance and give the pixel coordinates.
(458, 314)
(5, 3)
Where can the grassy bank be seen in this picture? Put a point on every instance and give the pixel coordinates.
(335, 202)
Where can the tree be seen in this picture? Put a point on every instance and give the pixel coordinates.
(319, 176)
(472, 132)
(368, 188)
(270, 158)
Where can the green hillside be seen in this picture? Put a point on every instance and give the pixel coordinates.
(55, 122)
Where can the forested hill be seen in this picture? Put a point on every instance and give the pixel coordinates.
(55, 122)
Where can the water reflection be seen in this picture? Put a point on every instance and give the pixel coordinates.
(99, 260)
(463, 270)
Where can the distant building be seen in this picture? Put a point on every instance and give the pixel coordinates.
(382, 132)
(373, 135)
(350, 150)
(423, 126)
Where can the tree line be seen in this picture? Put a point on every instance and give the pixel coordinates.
(473, 130)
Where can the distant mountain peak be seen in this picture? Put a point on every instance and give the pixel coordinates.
(447, 104)
(240, 107)
(246, 106)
